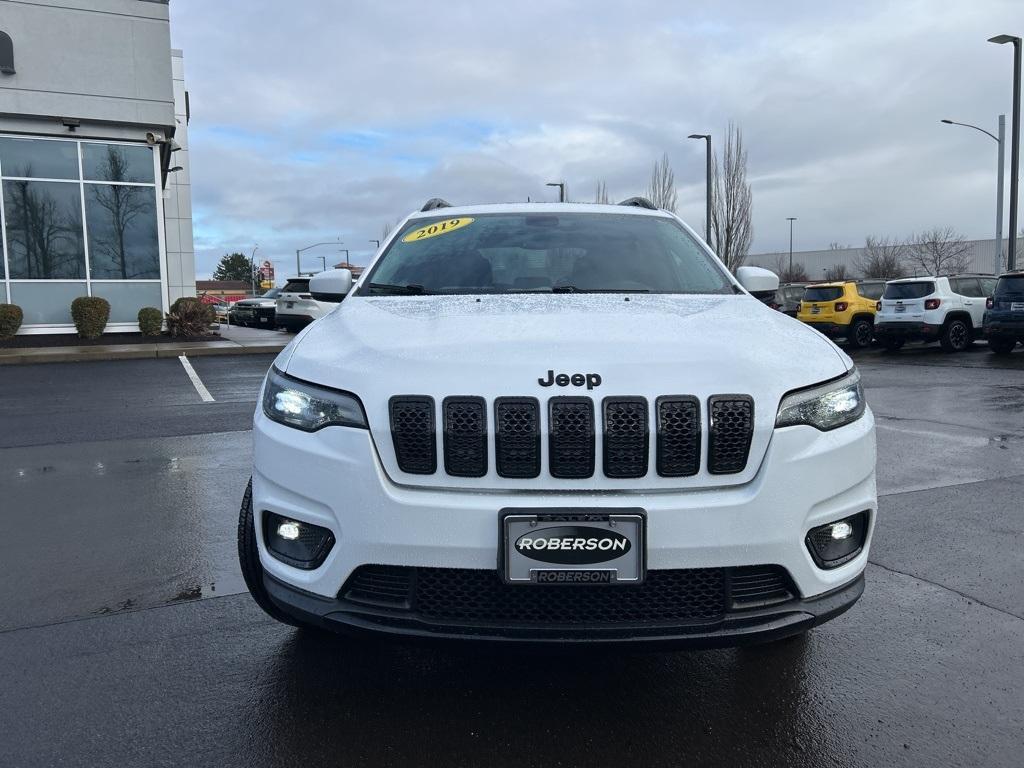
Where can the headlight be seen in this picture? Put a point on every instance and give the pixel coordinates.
(825, 406)
(308, 407)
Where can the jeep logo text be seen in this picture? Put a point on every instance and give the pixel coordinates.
(577, 380)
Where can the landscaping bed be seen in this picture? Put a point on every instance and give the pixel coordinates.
(28, 341)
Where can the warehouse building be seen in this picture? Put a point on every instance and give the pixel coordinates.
(93, 160)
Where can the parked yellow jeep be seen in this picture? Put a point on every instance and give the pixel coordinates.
(842, 310)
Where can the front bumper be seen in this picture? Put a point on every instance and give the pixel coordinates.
(334, 478)
(908, 331)
(736, 627)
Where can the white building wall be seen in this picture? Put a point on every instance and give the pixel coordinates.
(181, 259)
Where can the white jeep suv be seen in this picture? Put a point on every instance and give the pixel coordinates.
(297, 307)
(558, 423)
(948, 310)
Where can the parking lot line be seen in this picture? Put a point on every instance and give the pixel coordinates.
(204, 393)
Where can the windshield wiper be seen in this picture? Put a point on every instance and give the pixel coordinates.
(412, 289)
(574, 289)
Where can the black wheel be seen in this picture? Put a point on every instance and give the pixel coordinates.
(1002, 346)
(860, 333)
(956, 336)
(249, 560)
(893, 345)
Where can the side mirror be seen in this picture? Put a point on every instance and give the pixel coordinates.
(332, 285)
(757, 280)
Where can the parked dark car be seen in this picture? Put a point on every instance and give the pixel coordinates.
(788, 298)
(259, 312)
(1004, 313)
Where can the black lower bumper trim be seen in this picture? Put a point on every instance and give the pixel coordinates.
(738, 627)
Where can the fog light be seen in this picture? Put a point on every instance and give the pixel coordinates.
(838, 542)
(841, 530)
(299, 544)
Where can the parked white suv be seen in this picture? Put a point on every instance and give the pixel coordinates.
(296, 306)
(948, 310)
(558, 423)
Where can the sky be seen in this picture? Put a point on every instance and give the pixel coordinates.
(320, 120)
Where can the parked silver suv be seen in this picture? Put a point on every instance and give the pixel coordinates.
(946, 309)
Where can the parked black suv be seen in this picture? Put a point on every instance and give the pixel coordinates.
(1004, 313)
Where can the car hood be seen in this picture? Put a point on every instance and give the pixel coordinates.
(501, 346)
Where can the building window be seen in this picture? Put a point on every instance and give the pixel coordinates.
(6, 54)
(80, 212)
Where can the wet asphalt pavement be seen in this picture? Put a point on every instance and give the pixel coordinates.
(126, 637)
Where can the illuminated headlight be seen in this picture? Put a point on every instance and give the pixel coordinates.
(309, 407)
(826, 406)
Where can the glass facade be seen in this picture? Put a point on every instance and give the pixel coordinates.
(79, 218)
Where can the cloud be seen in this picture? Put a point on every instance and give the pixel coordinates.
(318, 120)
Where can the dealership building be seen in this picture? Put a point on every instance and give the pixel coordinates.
(93, 160)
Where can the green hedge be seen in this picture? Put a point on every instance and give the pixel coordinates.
(151, 320)
(189, 317)
(90, 314)
(10, 320)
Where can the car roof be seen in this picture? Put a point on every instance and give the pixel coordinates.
(469, 210)
(833, 284)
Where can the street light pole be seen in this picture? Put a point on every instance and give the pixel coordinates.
(1011, 257)
(791, 219)
(707, 184)
(1001, 141)
(323, 262)
(252, 269)
(561, 189)
(376, 242)
(298, 267)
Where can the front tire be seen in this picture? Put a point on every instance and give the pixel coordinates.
(956, 336)
(249, 560)
(860, 333)
(1002, 346)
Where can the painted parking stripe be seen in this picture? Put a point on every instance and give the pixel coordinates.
(204, 393)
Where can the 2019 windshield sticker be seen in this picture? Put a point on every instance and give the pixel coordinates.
(437, 228)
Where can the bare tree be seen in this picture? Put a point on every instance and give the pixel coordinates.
(601, 196)
(837, 246)
(837, 273)
(939, 251)
(385, 231)
(731, 202)
(798, 274)
(882, 257)
(110, 235)
(662, 188)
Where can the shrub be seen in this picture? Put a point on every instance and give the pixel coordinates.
(150, 321)
(189, 317)
(90, 314)
(10, 320)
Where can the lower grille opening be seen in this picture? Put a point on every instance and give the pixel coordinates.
(466, 595)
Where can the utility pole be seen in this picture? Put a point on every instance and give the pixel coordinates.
(1011, 257)
(790, 219)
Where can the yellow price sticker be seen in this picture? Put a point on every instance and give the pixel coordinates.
(437, 228)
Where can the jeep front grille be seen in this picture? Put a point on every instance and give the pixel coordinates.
(572, 432)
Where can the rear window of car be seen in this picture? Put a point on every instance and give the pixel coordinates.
(296, 286)
(828, 293)
(1014, 284)
(871, 290)
(795, 293)
(909, 290)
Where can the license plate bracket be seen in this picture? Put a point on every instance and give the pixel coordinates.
(573, 546)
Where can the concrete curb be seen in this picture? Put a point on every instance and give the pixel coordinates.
(134, 351)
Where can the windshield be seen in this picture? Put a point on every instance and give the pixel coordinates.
(827, 293)
(273, 293)
(1014, 284)
(909, 290)
(545, 253)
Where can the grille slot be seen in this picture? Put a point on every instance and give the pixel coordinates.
(678, 451)
(759, 585)
(412, 431)
(465, 436)
(625, 437)
(517, 436)
(471, 595)
(732, 427)
(571, 437)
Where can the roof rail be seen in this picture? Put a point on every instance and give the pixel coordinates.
(434, 203)
(639, 202)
